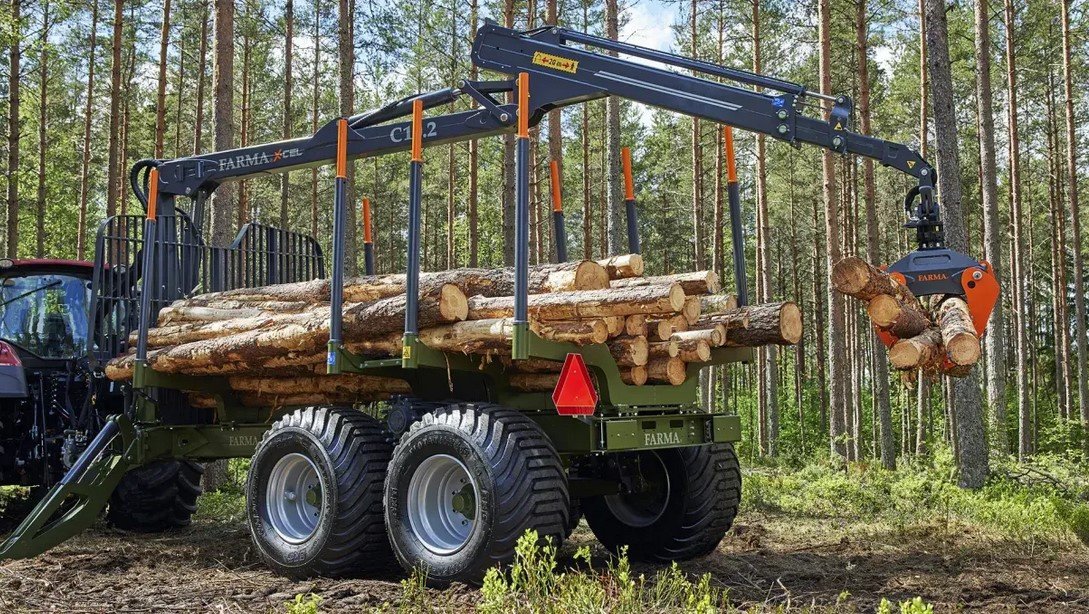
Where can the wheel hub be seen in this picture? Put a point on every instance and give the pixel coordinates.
(442, 510)
(293, 498)
(646, 500)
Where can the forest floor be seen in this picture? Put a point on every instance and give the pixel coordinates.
(776, 557)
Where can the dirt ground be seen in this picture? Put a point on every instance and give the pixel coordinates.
(766, 561)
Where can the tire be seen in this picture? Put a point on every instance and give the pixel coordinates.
(686, 521)
(156, 497)
(338, 456)
(508, 479)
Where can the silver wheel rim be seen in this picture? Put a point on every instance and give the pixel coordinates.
(442, 504)
(293, 498)
(643, 509)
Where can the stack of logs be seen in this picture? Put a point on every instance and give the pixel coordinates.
(270, 342)
(936, 338)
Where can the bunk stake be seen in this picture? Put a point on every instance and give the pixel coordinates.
(520, 341)
(557, 213)
(629, 202)
(336, 283)
(409, 355)
(147, 277)
(737, 235)
(368, 241)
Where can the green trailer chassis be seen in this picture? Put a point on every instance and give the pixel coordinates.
(628, 418)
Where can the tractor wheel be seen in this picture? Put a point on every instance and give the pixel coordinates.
(156, 497)
(314, 493)
(466, 481)
(675, 504)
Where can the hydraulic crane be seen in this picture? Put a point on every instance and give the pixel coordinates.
(548, 68)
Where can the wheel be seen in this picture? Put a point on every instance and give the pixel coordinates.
(314, 493)
(466, 481)
(678, 503)
(156, 497)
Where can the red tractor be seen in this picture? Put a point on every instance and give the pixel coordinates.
(53, 400)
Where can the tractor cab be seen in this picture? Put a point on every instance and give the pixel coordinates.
(44, 306)
(45, 382)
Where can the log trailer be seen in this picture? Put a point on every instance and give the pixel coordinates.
(462, 468)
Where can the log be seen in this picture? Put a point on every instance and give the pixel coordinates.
(440, 304)
(180, 314)
(770, 323)
(623, 266)
(583, 304)
(662, 329)
(475, 336)
(694, 283)
(615, 325)
(717, 303)
(694, 350)
(691, 310)
(663, 349)
(188, 332)
(923, 351)
(550, 277)
(958, 333)
(629, 351)
(666, 370)
(734, 318)
(714, 335)
(856, 277)
(533, 382)
(532, 365)
(635, 376)
(635, 325)
(904, 320)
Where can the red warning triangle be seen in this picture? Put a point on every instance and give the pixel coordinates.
(574, 394)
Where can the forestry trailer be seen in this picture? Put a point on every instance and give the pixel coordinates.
(461, 466)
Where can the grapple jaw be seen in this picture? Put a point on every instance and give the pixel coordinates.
(942, 271)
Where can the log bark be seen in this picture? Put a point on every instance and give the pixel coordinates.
(694, 283)
(494, 335)
(958, 332)
(857, 278)
(667, 370)
(181, 314)
(584, 304)
(623, 266)
(635, 376)
(691, 311)
(904, 320)
(614, 325)
(663, 349)
(714, 335)
(533, 382)
(717, 303)
(770, 323)
(630, 351)
(347, 383)
(532, 365)
(662, 329)
(693, 350)
(923, 351)
(734, 318)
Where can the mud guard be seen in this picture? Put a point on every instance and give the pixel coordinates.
(74, 503)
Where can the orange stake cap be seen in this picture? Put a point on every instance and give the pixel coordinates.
(523, 105)
(731, 161)
(557, 196)
(153, 194)
(366, 220)
(342, 148)
(417, 130)
(629, 184)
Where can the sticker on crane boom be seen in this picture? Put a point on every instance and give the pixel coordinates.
(555, 62)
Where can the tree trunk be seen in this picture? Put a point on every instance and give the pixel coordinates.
(474, 160)
(614, 195)
(85, 160)
(14, 130)
(992, 246)
(837, 354)
(113, 173)
(1075, 226)
(288, 116)
(315, 98)
(971, 440)
(508, 166)
(1020, 322)
(43, 116)
(160, 93)
(198, 132)
(223, 210)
